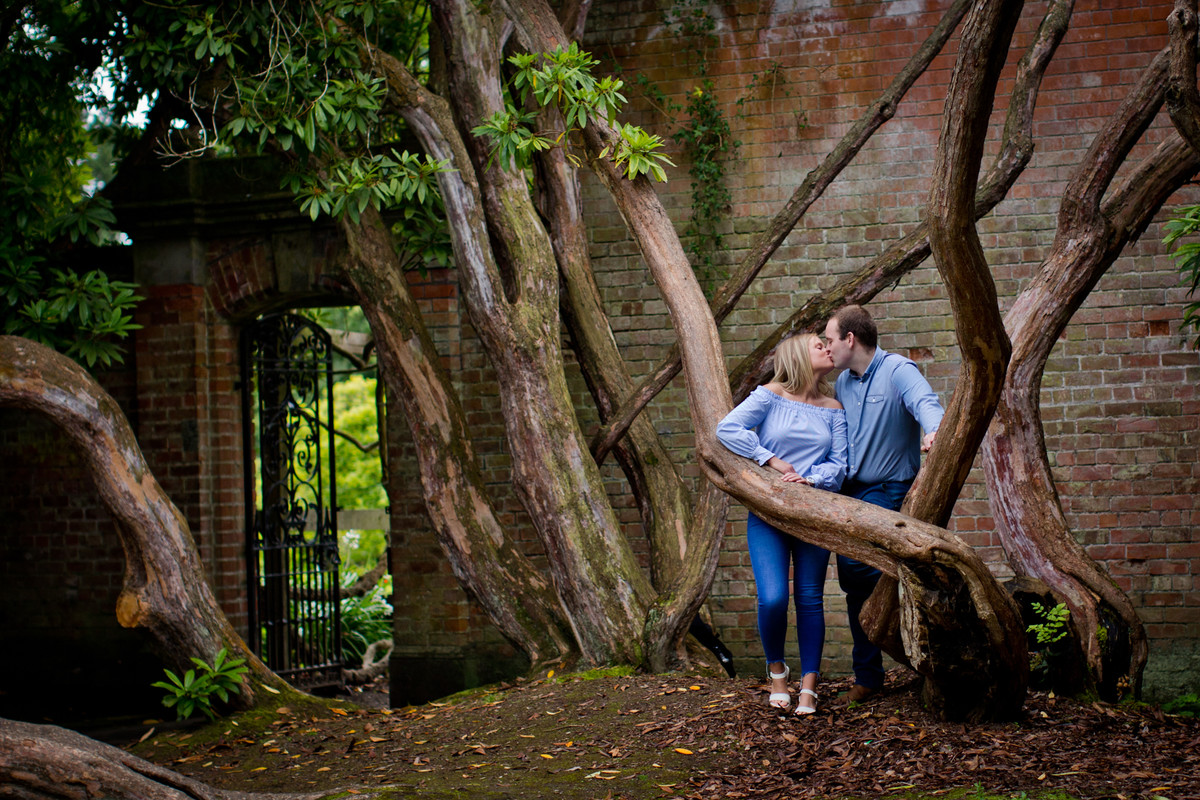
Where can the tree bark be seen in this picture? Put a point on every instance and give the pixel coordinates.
(164, 589)
(948, 580)
(770, 238)
(44, 762)
(1183, 99)
(880, 615)
(511, 294)
(1024, 500)
(983, 345)
(664, 501)
(518, 600)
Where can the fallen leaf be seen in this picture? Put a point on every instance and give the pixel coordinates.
(146, 735)
(544, 755)
(269, 689)
(683, 750)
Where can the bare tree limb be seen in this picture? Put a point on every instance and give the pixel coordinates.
(770, 238)
(164, 590)
(1025, 504)
(45, 762)
(1183, 99)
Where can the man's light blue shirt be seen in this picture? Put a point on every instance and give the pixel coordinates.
(886, 409)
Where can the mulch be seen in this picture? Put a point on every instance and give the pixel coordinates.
(652, 736)
(891, 745)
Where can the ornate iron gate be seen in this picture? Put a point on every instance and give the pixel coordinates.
(291, 515)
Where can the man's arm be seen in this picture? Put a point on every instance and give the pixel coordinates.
(919, 398)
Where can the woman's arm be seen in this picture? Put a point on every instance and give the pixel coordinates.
(831, 471)
(736, 430)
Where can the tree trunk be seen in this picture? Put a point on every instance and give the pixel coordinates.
(1183, 99)
(164, 591)
(880, 615)
(44, 762)
(664, 501)
(511, 295)
(518, 600)
(1021, 490)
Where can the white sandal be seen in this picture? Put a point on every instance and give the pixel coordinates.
(802, 710)
(781, 700)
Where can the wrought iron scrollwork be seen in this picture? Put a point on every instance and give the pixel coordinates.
(292, 550)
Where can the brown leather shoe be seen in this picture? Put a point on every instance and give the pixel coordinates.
(859, 693)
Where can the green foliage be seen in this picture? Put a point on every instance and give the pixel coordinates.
(349, 186)
(1051, 654)
(563, 79)
(359, 472)
(359, 550)
(80, 315)
(706, 137)
(690, 19)
(366, 619)
(636, 154)
(1187, 705)
(1053, 626)
(1187, 257)
(710, 145)
(422, 236)
(51, 156)
(293, 82)
(198, 687)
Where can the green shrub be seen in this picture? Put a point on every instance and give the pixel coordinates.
(197, 688)
(365, 619)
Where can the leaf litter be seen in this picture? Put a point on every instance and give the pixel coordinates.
(689, 736)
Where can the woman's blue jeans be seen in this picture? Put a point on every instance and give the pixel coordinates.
(772, 552)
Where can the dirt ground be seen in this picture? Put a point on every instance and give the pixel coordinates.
(604, 735)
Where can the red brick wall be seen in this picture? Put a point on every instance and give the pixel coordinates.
(189, 426)
(1119, 397)
(61, 570)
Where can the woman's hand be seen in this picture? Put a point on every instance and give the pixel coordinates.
(789, 473)
(779, 465)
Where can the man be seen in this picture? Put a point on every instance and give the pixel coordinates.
(888, 402)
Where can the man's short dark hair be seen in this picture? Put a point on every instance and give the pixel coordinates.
(856, 320)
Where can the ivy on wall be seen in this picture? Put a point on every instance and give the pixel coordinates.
(706, 136)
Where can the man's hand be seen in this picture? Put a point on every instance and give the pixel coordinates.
(927, 442)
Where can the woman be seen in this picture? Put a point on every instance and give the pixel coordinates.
(795, 426)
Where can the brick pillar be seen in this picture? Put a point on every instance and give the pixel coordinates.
(189, 427)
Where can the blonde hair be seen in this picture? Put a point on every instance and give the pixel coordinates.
(793, 367)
